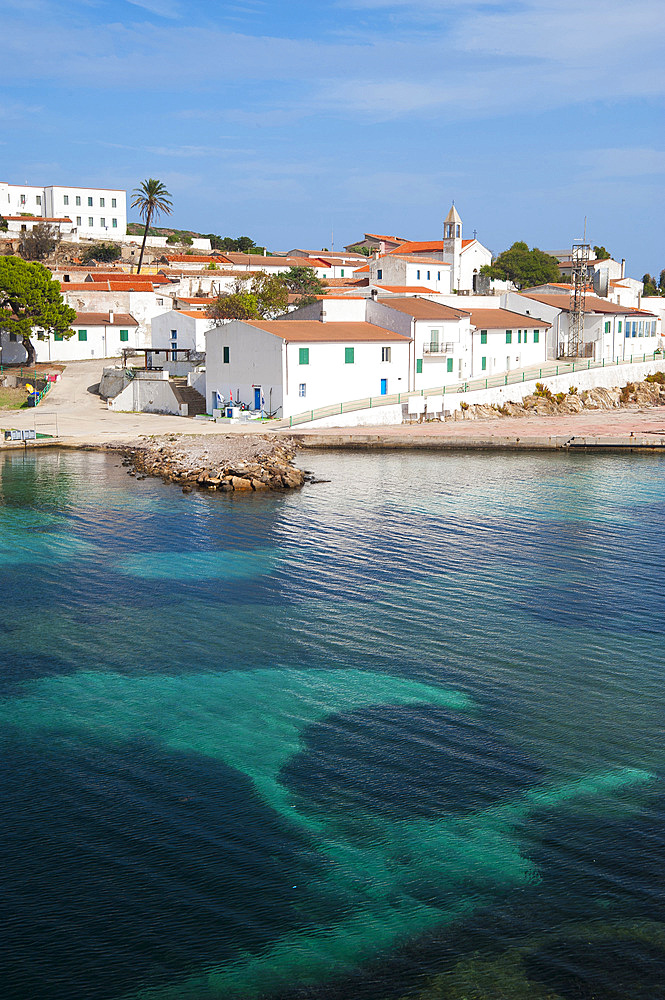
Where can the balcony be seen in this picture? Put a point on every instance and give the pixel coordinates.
(436, 348)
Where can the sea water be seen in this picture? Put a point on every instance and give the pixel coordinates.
(397, 734)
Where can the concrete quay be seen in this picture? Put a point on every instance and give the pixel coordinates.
(602, 430)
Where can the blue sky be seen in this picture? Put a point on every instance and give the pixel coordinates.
(284, 121)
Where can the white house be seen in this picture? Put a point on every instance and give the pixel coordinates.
(138, 298)
(95, 212)
(180, 329)
(502, 341)
(401, 272)
(294, 365)
(610, 330)
(96, 335)
(18, 224)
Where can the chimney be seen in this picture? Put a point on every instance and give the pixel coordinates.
(374, 293)
(111, 315)
(382, 247)
(623, 267)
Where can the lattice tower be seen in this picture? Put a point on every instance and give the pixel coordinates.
(580, 276)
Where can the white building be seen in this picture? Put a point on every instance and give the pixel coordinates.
(610, 331)
(94, 212)
(397, 272)
(96, 335)
(180, 329)
(293, 365)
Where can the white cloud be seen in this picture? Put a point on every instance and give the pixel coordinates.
(163, 8)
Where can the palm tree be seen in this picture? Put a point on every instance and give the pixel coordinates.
(151, 198)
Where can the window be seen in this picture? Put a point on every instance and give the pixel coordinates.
(226, 356)
(634, 329)
(57, 336)
(607, 327)
(23, 199)
(509, 336)
(483, 336)
(124, 336)
(419, 366)
(38, 199)
(160, 302)
(449, 364)
(83, 335)
(78, 199)
(101, 203)
(641, 331)
(174, 334)
(12, 338)
(114, 203)
(483, 364)
(65, 200)
(379, 274)
(102, 221)
(91, 221)
(536, 336)
(438, 275)
(627, 331)
(418, 275)
(89, 202)
(519, 336)
(341, 273)
(525, 333)
(349, 355)
(302, 390)
(114, 223)
(303, 356)
(428, 275)
(78, 220)
(385, 354)
(619, 326)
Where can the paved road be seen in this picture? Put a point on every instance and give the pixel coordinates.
(71, 410)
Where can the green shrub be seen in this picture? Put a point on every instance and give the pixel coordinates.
(560, 396)
(572, 390)
(542, 391)
(658, 377)
(627, 392)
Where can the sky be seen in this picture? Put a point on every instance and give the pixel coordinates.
(302, 123)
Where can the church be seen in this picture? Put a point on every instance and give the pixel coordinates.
(465, 256)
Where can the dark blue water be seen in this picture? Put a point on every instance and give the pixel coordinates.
(395, 735)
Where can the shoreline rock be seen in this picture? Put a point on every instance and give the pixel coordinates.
(197, 463)
(543, 402)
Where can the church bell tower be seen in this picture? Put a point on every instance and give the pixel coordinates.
(452, 243)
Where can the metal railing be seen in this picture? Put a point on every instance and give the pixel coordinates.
(435, 348)
(473, 385)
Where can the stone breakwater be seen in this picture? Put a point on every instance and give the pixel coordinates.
(233, 464)
(543, 402)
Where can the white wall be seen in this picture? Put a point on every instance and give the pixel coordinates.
(255, 358)
(472, 258)
(147, 395)
(101, 342)
(102, 210)
(190, 332)
(329, 379)
(528, 347)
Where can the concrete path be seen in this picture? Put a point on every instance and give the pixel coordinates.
(74, 413)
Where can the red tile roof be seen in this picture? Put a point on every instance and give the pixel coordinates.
(405, 289)
(306, 331)
(102, 319)
(503, 319)
(593, 304)
(425, 309)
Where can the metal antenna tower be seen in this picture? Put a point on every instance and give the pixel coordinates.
(580, 277)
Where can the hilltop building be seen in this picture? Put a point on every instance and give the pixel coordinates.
(93, 212)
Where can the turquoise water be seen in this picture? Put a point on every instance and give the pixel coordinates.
(396, 734)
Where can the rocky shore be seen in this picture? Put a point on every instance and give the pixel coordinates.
(543, 402)
(230, 464)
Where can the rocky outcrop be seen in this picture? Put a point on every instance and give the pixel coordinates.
(543, 402)
(272, 469)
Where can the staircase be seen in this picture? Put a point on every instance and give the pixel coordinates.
(196, 404)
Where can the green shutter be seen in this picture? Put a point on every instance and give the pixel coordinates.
(525, 333)
(449, 365)
(226, 356)
(519, 336)
(509, 336)
(419, 366)
(483, 364)
(483, 336)
(83, 335)
(124, 336)
(57, 336)
(536, 336)
(619, 326)
(349, 355)
(303, 356)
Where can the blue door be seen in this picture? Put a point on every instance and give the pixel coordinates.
(257, 398)
(384, 386)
